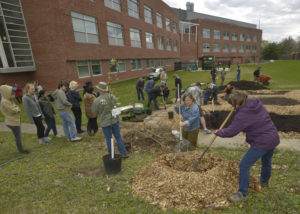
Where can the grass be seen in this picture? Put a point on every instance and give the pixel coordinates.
(52, 180)
(69, 177)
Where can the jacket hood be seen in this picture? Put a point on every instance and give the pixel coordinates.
(252, 105)
(6, 91)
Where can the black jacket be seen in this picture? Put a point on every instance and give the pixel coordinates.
(155, 92)
(74, 98)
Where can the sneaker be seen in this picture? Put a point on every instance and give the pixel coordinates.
(207, 131)
(58, 136)
(75, 139)
(44, 143)
(124, 156)
(80, 131)
(47, 138)
(237, 197)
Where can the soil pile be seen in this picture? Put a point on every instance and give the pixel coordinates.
(150, 138)
(244, 85)
(170, 181)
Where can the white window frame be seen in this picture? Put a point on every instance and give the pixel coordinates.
(160, 42)
(168, 24)
(242, 37)
(133, 8)
(88, 67)
(255, 38)
(85, 34)
(206, 47)
(175, 46)
(159, 20)
(254, 49)
(241, 49)
(206, 33)
(225, 48)
(133, 62)
(113, 4)
(169, 44)
(248, 38)
(122, 61)
(174, 27)
(217, 34)
(148, 37)
(216, 47)
(147, 11)
(234, 36)
(226, 35)
(139, 62)
(93, 63)
(233, 48)
(115, 40)
(135, 38)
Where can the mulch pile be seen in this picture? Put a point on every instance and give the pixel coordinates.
(244, 85)
(170, 181)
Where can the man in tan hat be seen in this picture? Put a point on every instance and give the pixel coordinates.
(75, 99)
(103, 106)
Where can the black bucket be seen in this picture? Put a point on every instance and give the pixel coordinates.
(112, 166)
(171, 114)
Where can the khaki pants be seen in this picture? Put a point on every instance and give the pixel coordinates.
(191, 136)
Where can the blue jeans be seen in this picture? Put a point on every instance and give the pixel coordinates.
(207, 94)
(68, 122)
(116, 132)
(176, 93)
(155, 102)
(51, 124)
(248, 160)
(140, 93)
(238, 77)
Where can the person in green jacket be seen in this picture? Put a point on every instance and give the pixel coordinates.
(103, 106)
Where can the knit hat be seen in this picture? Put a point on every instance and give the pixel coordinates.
(102, 86)
(73, 85)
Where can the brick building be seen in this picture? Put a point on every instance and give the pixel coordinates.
(50, 41)
(226, 39)
(68, 40)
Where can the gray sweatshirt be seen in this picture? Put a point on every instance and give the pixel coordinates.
(61, 101)
(31, 107)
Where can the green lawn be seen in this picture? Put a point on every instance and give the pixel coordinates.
(52, 179)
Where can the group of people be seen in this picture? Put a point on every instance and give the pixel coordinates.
(223, 73)
(38, 108)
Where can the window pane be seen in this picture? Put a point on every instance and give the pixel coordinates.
(80, 37)
(159, 20)
(133, 9)
(148, 14)
(83, 69)
(133, 64)
(96, 69)
(91, 27)
(122, 66)
(113, 4)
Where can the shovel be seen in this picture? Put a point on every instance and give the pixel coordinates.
(196, 162)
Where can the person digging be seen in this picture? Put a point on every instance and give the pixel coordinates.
(190, 118)
(252, 118)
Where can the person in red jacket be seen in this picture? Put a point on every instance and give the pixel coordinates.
(18, 93)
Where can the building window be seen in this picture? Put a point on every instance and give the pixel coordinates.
(159, 20)
(242, 37)
(148, 14)
(248, 38)
(254, 38)
(133, 8)
(160, 42)
(96, 67)
(160, 62)
(254, 49)
(225, 48)
(169, 44)
(217, 34)
(226, 35)
(206, 47)
(122, 65)
(248, 47)
(216, 47)
(233, 48)
(174, 27)
(206, 33)
(149, 41)
(113, 4)
(241, 49)
(133, 64)
(175, 48)
(85, 28)
(168, 24)
(149, 63)
(139, 64)
(234, 36)
(83, 69)
(115, 34)
(135, 38)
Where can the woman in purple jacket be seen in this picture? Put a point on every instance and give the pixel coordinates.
(252, 118)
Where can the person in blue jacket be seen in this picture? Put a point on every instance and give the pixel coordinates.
(190, 118)
(148, 86)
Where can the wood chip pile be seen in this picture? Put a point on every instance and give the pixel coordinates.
(170, 181)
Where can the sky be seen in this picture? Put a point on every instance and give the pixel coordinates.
(278, 19)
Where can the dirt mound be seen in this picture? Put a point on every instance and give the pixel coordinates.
(149, 138)
(269, 92)
(244, 85)
(280, 101)
(170, 182)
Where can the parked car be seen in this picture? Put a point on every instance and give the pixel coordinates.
(155, 73)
